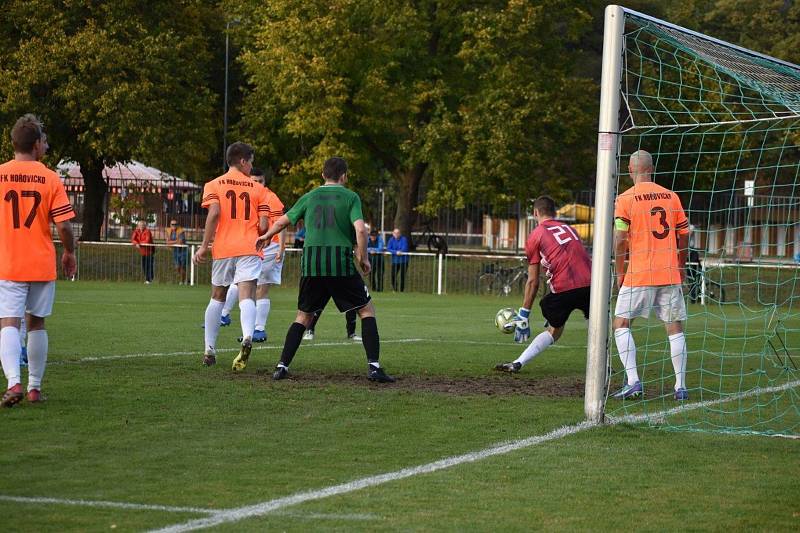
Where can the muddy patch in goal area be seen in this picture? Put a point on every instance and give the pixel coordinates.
(493, 385)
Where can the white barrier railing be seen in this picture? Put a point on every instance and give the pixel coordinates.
(489, 274)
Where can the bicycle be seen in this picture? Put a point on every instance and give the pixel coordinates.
(698, 283)
(436, 243)
(494, 279)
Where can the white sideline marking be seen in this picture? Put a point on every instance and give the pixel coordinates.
(782, 436)
(110, 505)
(171, 509)
(95, 358)
(235, 515)
(328, 516)
(637, 419)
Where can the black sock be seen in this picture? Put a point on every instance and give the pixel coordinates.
(314, 320)
(370, 338)
(350, 322)
(293, 339)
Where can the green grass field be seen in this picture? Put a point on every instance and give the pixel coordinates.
(132, 417)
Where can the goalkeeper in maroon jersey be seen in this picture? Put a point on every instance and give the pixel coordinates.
(555, 247)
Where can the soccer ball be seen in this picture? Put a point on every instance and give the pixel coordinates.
(505, 320)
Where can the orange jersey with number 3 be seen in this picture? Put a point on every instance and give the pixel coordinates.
(655, 217)
(241, 202)
(31, 196)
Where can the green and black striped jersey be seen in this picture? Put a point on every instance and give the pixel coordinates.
(329, 212)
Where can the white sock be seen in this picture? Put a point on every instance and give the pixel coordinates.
(537, 346)
(677, 347)
(230, 299)
(627, 353)
(262, 313)
(9, 354)
(247, 316)
(37, 357)
(23, 332)
(213, 312)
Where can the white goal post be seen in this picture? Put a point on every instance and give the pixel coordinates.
(607, 145)
(722, 121)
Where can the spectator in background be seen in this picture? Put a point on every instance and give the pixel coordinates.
(300, 234)
(143, 240)
(176, 238)
(375, 248)
(398, 247)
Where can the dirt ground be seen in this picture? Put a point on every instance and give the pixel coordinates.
(489, 385)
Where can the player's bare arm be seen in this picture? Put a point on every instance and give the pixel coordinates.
(281, 224)
(531, 286)
(362, 235)
(621, 246)
(683, 252)
(208, 235)
(281, 247)
(65, 233)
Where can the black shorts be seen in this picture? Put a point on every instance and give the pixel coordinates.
(557, 306)
(348, 292)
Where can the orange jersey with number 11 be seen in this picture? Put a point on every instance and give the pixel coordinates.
(31, 196)
(655, 217)
(241, 202)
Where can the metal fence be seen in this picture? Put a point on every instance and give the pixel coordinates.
(762, 283)
(425, 272)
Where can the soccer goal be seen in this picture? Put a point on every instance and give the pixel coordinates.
(723, 126)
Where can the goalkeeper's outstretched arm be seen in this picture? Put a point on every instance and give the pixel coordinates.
(531, 286)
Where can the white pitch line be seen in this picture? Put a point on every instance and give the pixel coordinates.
(235, 515)
(96, 358)
(172, 509)
(638, 419)
(101, 358)
(260, 509)
(109, 505)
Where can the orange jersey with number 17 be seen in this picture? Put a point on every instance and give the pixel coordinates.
(655, 217)
(31, 196)
(241, 202)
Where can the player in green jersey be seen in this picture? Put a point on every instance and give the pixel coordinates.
(334, 225)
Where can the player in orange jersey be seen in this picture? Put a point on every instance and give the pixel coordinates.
(237, 215)
(31, 197)
(271, 267)
(652, 232)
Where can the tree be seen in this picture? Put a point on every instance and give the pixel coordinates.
(771, 27)
(478, 97)
(113, 82)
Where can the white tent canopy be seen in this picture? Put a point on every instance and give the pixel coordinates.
(133, 174)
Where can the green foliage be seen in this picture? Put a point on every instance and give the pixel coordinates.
(768, 26)
(715, 104)
(126, 207)
(112, 80)
(477, 98)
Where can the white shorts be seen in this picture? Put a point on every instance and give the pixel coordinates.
(231, 270)
(270, 269)
(667, 300)
(19, 297)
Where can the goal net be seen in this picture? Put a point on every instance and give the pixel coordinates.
(723, 126)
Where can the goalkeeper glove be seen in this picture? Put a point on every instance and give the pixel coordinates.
(523, 329)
